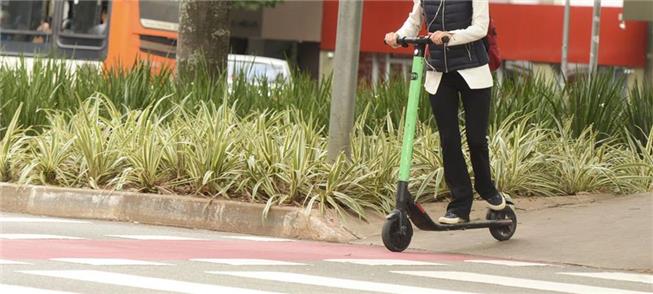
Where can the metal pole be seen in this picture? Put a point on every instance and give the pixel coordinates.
(565, 40)
(649, 55)
(387, 67)
(375, 70)
(594, 49)
(345, 77)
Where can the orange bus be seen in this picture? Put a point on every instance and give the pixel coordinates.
(112, 33)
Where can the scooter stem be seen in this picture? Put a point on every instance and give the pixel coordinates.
(414, 93)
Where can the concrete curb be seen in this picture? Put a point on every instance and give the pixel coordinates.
(171, 210)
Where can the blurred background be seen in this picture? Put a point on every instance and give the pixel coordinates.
(303, 33)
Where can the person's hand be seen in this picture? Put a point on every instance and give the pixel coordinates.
(438, 35)
(391, 39)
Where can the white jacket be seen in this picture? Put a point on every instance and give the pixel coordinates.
(477, 77)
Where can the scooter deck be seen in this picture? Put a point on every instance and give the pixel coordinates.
(422, 220)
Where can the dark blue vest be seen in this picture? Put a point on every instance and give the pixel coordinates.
(449, 15)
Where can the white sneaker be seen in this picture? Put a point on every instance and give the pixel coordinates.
(451, 218)
(496, 202)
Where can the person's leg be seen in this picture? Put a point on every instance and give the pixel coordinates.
(476, 103)
(445, 109)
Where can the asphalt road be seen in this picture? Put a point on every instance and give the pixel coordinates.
(51, 255)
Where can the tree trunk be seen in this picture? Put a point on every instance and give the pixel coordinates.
(203, 41)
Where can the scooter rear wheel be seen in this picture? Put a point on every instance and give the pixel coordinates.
(503, 233)
(395, 238)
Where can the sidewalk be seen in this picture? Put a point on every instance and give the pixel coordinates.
(604, 231)
(612, 232)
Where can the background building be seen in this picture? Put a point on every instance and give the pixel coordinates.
(529, 37)
(303, 32)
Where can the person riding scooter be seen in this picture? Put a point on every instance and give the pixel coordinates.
(458, 67)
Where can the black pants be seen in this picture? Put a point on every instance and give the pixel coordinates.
(476, 103)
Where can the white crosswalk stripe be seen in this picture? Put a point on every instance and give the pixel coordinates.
(507, 262)
(7, 219)
(141, 282)
(164, 284)
(107, 261)
(629, 277)
(36, 237)
(4, 261)
(517, 282)
(383, 261)
(12, 289)
(240, 261)
(155, 237)
(349, 284)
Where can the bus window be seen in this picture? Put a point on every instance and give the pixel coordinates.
(159, 15)
(24, 22)
(84, 23)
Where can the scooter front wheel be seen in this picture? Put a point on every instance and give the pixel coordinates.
(397, 233)
(503, 233)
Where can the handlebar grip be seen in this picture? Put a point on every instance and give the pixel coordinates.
(386, 43)
(406, 41)
(402, 41)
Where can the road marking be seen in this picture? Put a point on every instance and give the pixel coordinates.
(331, 282)
(141, 282)
(4, 261)
(107, 261)
(507, 262)
(4, 288)
(238, 261)
(35, 237)
(383, 261)
(256, 238)
(6, 219)
(155, 237)
(516, 282)
(642, 278)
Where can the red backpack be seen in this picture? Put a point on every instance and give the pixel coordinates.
(492, 47)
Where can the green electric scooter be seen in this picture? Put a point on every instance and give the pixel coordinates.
(397, 230)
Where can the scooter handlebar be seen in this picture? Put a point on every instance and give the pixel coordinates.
(425, 40)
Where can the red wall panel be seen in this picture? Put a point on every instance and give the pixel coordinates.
(379, 17)
(526, 32)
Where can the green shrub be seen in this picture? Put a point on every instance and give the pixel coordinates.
(135, 131)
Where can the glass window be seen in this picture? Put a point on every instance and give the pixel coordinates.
(26, 21)
(162, 15)
(84, 23)
(85, 17)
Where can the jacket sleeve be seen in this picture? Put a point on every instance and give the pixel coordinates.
(478, 29)
(413, 23)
